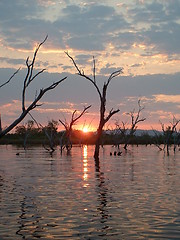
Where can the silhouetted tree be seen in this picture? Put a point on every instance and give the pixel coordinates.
(29, 78)
(135, 119)
(69, 127)
(25, 131)
(120, 131)
(168, 133)
(50, 132)
(157, 139)
(104, 118)
(127, 133)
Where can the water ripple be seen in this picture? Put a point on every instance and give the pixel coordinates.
(134, 196)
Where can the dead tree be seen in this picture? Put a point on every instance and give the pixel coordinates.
(69, 127)
(156, 142)
(50, 132)
(120, 131)
(29, 78)
(135, 119)
(104, 118)
(168, 133)
(25, 131)
(176, 139)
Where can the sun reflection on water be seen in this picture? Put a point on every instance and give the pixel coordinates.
(85, 164)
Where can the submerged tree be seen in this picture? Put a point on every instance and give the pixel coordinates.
(120, 132)
(29, 78)
(69, 127)
(50, 132)
(170, 134)
(25, 131)
(104, 118)
(157, 139)
(135, 119)
(127, 133)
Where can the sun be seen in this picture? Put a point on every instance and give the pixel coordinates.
(85, 130)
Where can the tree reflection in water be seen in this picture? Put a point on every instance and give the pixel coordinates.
(29, 219)
(102, 191)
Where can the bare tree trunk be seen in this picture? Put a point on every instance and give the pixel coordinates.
(98, 142)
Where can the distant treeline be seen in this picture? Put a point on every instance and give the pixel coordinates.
(37, 136)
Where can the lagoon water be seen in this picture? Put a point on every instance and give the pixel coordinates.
(132, 196)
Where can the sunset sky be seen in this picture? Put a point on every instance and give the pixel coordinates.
(141, 36)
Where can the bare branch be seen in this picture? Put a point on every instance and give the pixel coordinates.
(29, 75)
(81, 114)
(81, 73)
(34, 58)
(74, 119)
(68, 127)
(64, 124)
(73, 115)
(114, 74)
(111, 113)
(28, 79)
(38, 124)
(10, 78)
(94, 70)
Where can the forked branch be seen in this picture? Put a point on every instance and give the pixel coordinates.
(28, 79)
(69, 126)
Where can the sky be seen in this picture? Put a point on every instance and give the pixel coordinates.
(142, 37)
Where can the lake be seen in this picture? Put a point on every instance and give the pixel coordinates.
(132, 196)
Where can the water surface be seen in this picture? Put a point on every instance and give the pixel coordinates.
(132, 196)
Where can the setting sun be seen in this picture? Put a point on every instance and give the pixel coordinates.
(85, 129)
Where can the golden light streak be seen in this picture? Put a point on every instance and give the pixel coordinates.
(85, 153)
(63, 110)
(85, 168)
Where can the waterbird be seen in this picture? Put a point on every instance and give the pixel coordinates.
(119, 153)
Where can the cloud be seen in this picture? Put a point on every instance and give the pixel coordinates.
(12, 61)
(12, 108)
(140, 36)
(91, 27)
(138, 65)
(108, 70)
(167, 98)
(49, 110)
(160, 24)
(87, 28)
(83, 59)
(75, 27)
